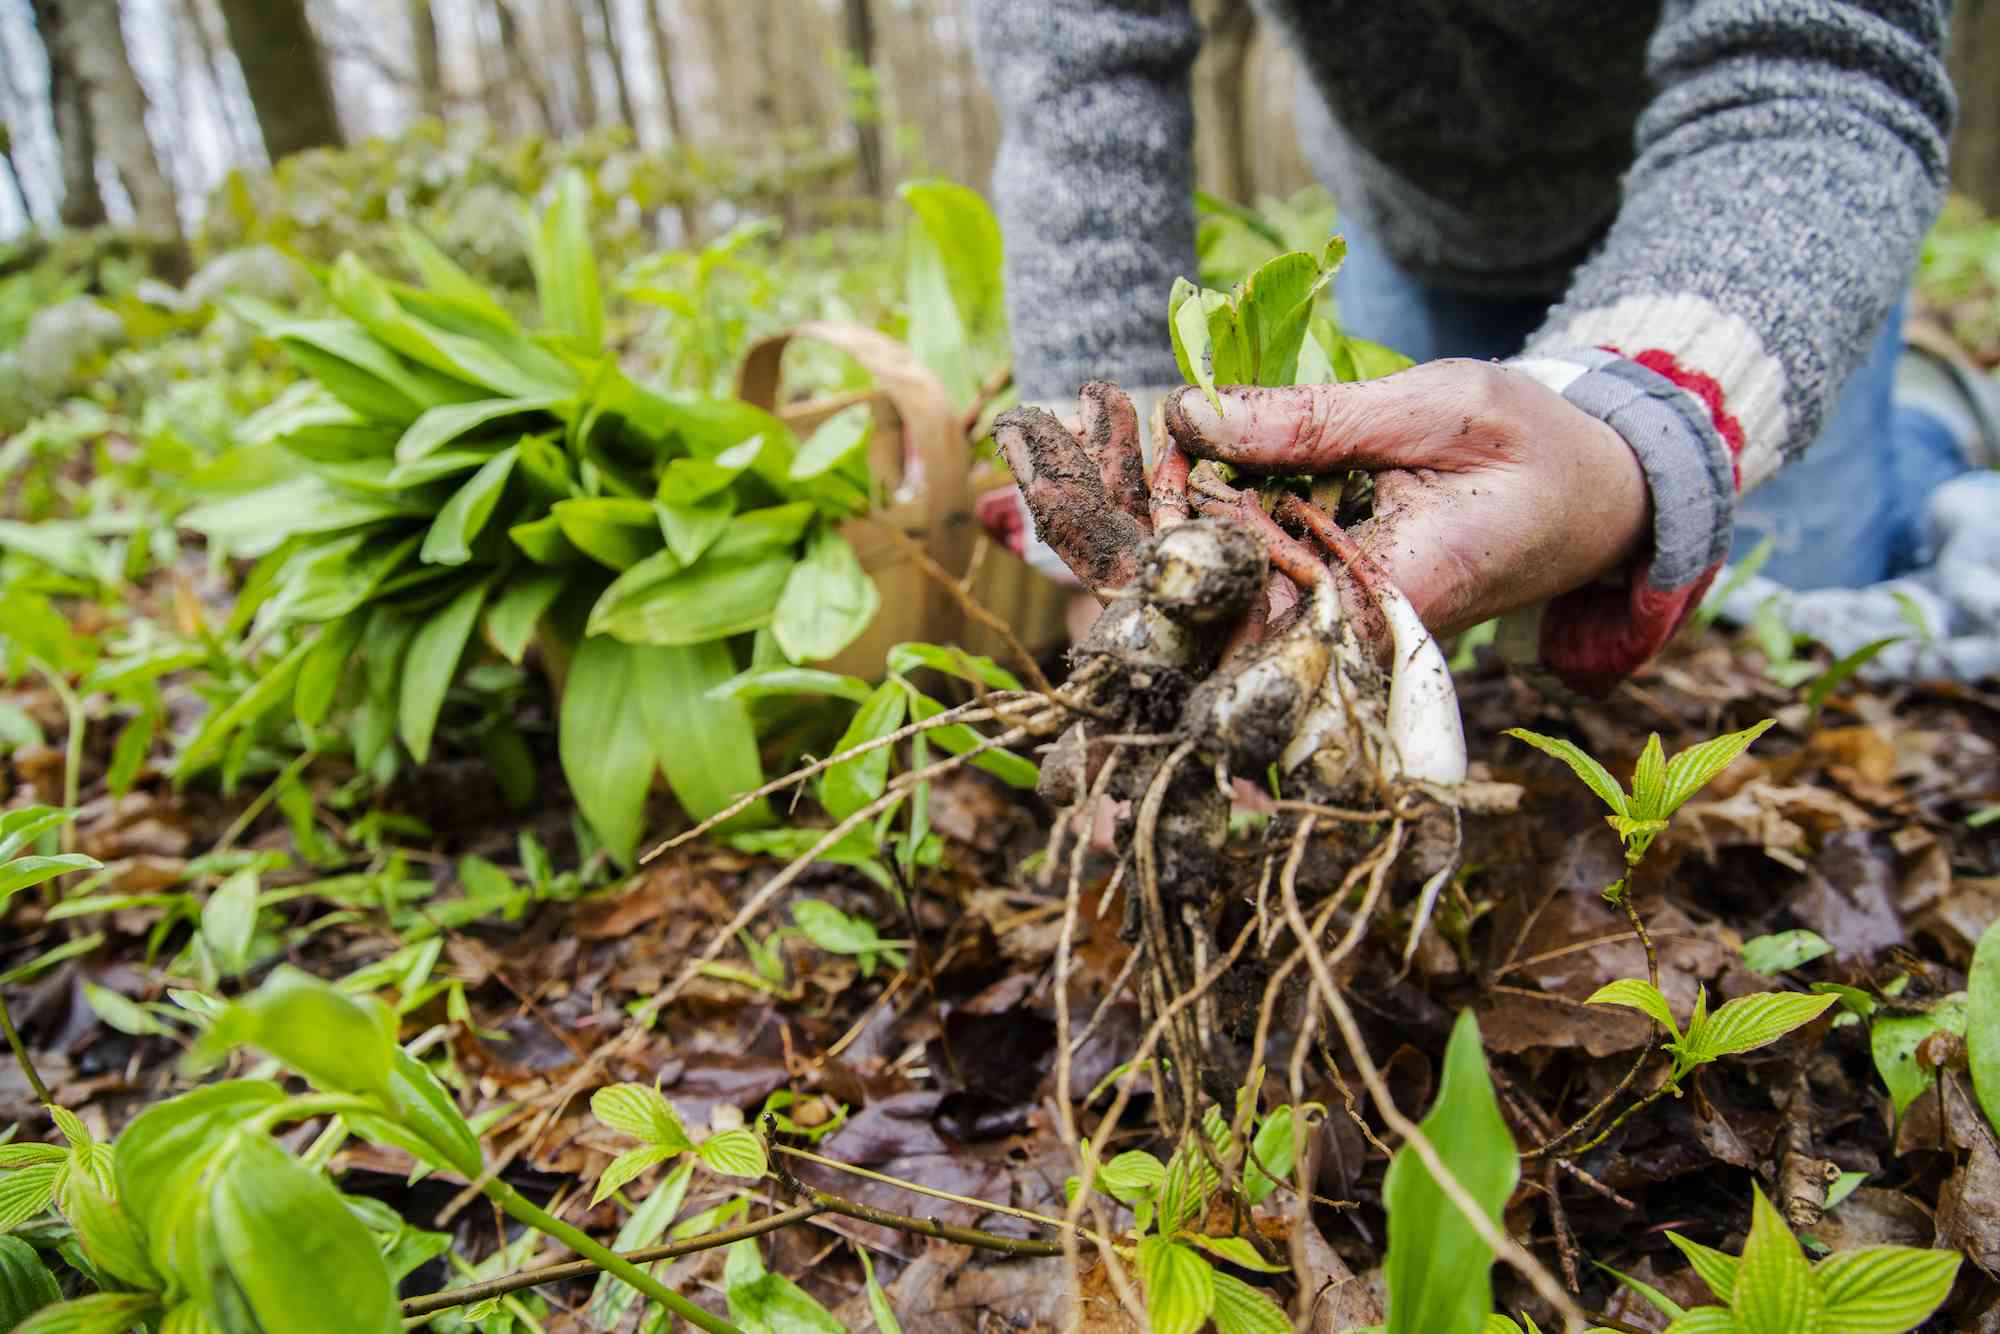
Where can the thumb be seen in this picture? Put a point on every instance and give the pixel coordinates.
(1409, 419)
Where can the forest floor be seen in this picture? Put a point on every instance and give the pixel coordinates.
(1851, 823)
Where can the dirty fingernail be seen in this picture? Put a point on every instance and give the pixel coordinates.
(1194, 420)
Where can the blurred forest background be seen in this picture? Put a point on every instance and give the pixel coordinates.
(138, 111)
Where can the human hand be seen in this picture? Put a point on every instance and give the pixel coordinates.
(1285, 634)
(1491, 492)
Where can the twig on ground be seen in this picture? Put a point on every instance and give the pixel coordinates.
(1589, 1118)
(916, 1188)
(927, 1227)
(1620, 1120)
(1566, 1248)
(976, 711)
(432, 1302)
(1597, 1109)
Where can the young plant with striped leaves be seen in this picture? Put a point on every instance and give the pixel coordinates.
(1771, 1288)
(1659, 786)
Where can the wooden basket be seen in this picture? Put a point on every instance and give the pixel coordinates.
(920, 452)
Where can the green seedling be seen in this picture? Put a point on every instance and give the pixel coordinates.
(643, 1112)
(1184, 1287)
(1659, 786)
(1773, 1289)
(1741, 1025)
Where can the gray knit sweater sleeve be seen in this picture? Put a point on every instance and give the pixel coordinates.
(1094, 184)
(1788, 168)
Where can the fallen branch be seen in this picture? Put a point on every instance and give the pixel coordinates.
(925, 1227)
(431, 1303)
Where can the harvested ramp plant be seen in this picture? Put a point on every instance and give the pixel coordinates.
(1235, 645)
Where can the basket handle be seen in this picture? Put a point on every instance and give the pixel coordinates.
(936, 460)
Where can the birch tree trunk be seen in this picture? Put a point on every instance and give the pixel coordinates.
(581, 102)
(93, 41)
(286, 73)
(488, 31)
(429, 67)
(193, 19)
(518, 66)
(76, 135)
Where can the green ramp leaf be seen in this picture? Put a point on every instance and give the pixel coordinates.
(827, 602)
(1982, 1021)
(607, 754)
(565, 267)
(431, 665)
(1438, 1270)
(265, 1204)
(707, 747)
(341, 1043)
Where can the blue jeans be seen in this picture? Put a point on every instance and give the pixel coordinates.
(1845, 514)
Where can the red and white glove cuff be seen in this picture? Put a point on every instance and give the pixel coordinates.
(1687, 444)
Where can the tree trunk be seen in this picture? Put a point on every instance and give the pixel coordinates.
(489, 26)
(93, 39)
(1222, 99)
(429, 68)
(865, 110)
(607, 21)
(194, 22)
(285, 72)
(663, 55)
(582, 99)
(518, 66)
(788, 53)
(1975, 69)
(76, 135)
(18, 195)
(744, 80)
